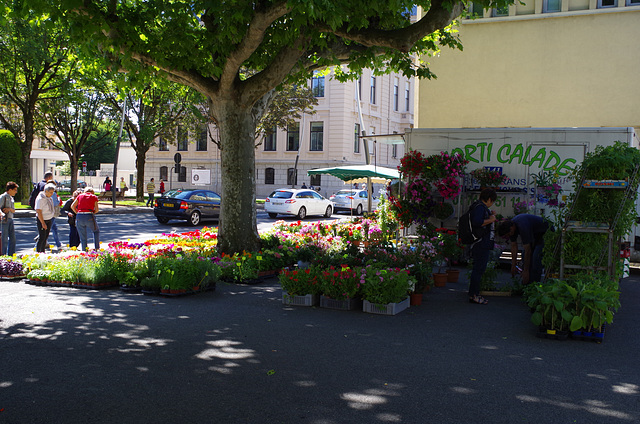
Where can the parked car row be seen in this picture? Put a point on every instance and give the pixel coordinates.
(195, 205)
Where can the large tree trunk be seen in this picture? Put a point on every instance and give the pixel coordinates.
(26, 184)
(237, 228)
(140, 161)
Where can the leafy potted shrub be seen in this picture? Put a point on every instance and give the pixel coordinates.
(385, 290)
(488, 178)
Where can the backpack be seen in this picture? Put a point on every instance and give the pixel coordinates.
(34, 195)
(466, 233)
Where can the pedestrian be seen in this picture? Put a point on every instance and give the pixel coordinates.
(44, 213)
(56, 213)
(355, 186)
(304, 185)
(74, 238)
(482, 216)
(7, 209)
(104, 184)
(123, 186)
(38, 187)
(161, 187)
(531, 229)
(151, 189)
(86, 207)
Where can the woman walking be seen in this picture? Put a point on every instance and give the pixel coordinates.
(85, 207)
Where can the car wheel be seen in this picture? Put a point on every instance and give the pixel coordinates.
(302, 213)
(272, 215)
(359, 210)
(328, 212)
(163, 220)
(194, 219)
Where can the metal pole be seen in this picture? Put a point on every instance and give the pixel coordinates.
(115, 161)
(367, 159)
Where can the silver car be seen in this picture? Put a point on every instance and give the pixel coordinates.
(352, 200)
(299, 203)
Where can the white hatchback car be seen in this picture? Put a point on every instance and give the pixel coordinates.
(301, 203)
(352, 200)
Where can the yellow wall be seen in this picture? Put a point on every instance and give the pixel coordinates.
(538, 70)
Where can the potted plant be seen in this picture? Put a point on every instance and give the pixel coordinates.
(385, 290)
(339, 287)
(488, 178)
(300, 286)
(10, 269)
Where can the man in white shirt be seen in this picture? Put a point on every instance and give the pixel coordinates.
(45, 212)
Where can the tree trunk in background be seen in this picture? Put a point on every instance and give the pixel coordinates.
(140, 183)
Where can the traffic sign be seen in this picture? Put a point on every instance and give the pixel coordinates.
(177, 158)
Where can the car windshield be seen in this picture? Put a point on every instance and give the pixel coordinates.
(281, 194)
(346, 193)
(178, 194)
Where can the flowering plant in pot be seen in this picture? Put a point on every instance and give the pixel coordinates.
(382, 285)
(300, 282)
(10, 268)
(340, 283)
(487, 177)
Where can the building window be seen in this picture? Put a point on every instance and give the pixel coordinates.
(633, 2)
(269, 176)
(356, 139)
(372, 95)
(394, 151)
(293, 137)
(501, 11)
(317, 86)
(602, 4)
(396, 94)
(162, 145)
(201, 146)
(317, 129)
(164, 173)
(183, 141)
(407, 92)
(182, 175)
(550, 6)
(292, 177)
(315, 181)
(270, 140)
(476, 10)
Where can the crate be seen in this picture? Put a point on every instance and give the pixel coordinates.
(343, 305)
(388, 309)
(307, 300)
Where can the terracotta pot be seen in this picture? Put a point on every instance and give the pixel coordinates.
(440, 279)
(453, 275)
(415, 299)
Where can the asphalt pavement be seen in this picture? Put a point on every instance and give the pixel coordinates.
(237, 355)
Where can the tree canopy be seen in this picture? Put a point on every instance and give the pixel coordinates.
(207, 45)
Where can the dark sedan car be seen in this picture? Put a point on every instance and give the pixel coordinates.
(190, 205)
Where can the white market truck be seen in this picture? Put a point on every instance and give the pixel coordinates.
(518, 153)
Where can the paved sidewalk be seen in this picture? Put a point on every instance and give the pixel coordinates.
(237, 355)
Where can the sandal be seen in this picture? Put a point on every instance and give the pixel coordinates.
(479, 300)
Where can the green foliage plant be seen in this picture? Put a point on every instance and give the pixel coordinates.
(340, 283)
(383, 285)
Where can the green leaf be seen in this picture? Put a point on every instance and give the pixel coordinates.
(576, 324)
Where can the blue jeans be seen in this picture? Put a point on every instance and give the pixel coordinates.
(480, 257)
(84, 222)
(54, 233)
(8, 238)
